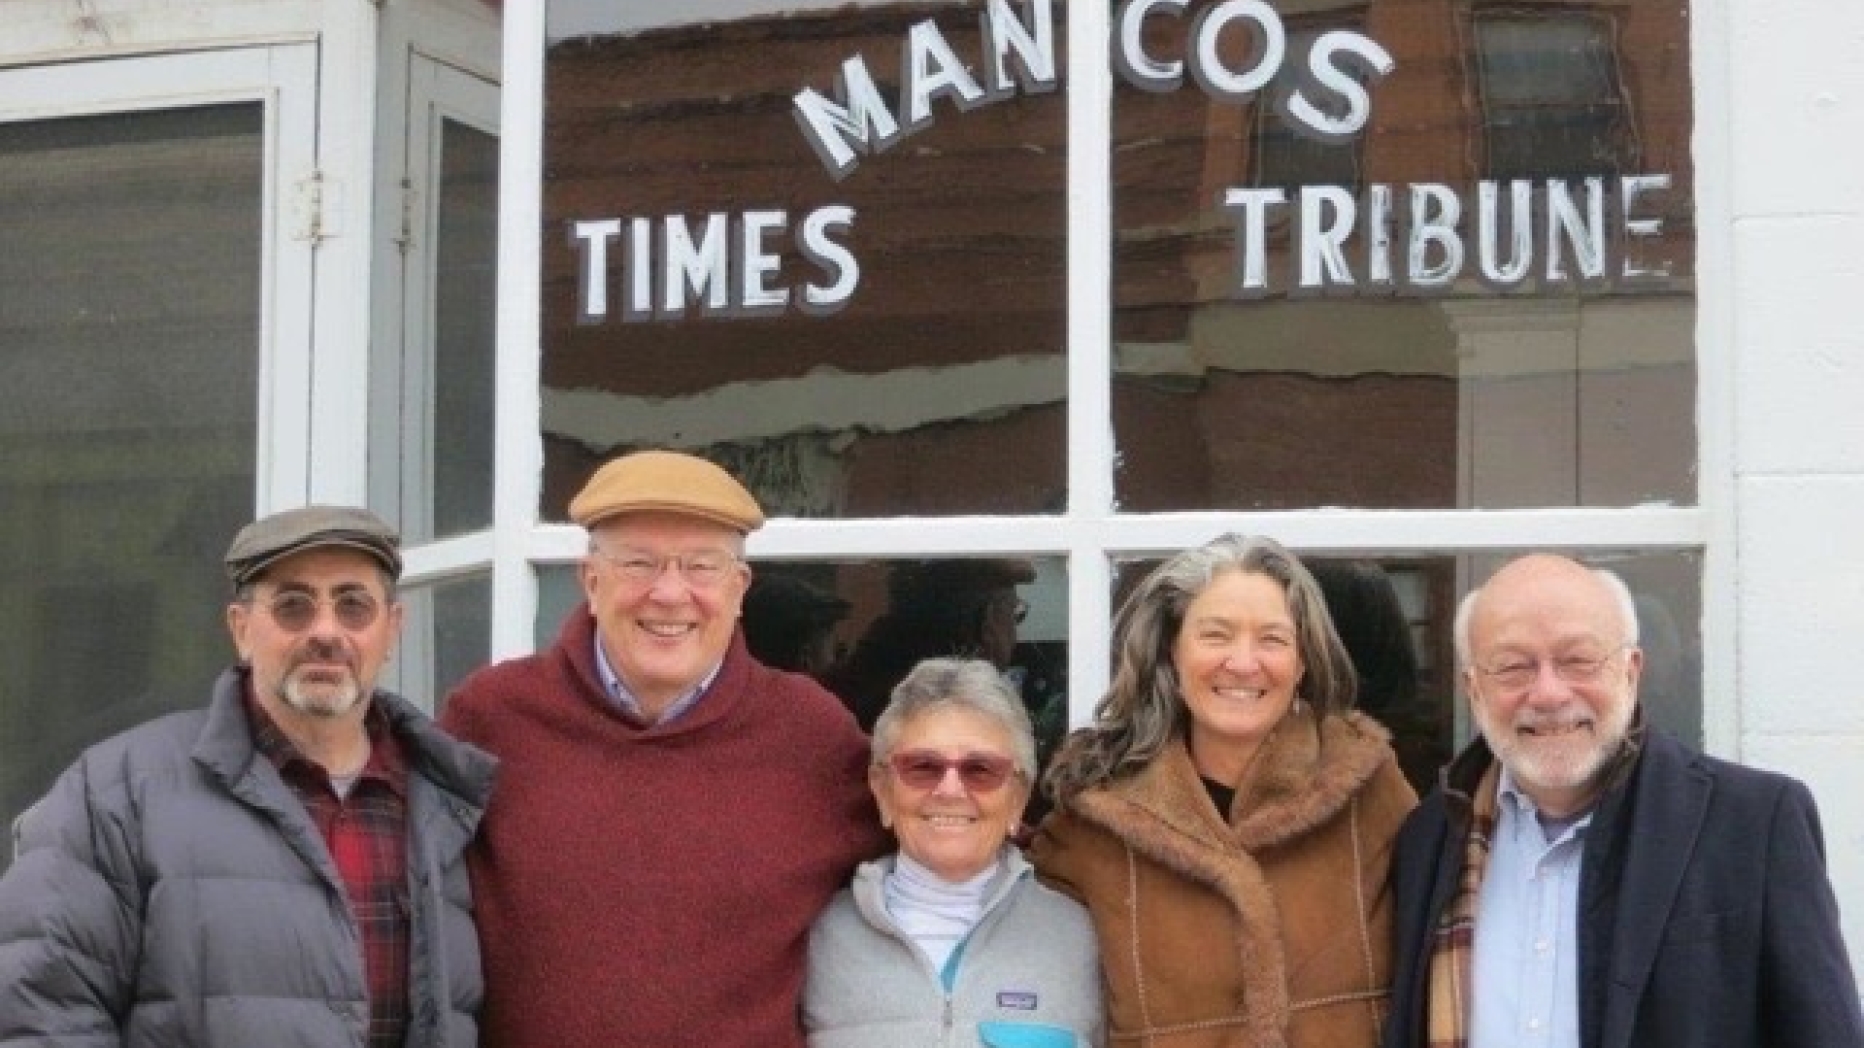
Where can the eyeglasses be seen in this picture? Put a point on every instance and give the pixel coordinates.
(704, 570)
(295, 611)
(1514, 673)
(924, 769)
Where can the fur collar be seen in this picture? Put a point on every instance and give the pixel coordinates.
(1305, 773)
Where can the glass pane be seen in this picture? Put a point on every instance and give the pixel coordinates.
(854, 329)
(1395, 615)
(558, 594)
(462, 617)
(859, 626)
(1377, 319)
(465, 300)
(129, 316)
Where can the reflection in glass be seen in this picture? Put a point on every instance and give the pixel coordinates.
(559, 593)
(859, 626)
(1383, 614)
(462, 630)
(791, 615)
(852, 342)
(1356, 322)
(1395, 615)
(1550, 95)
(129, 289)
(1284, 157)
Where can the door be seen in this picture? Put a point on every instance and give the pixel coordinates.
(154, 376)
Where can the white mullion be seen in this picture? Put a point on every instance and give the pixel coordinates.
(1091, 444)
(1399, 531)
(1090, 618)
(793, 539)
(518, 447)
(287, 282)
(342, 262)
(1155, 534)
(1092, 450)
(1717, 307)
(447, 558)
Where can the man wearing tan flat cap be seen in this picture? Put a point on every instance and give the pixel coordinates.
(671, 815)
(285, 866)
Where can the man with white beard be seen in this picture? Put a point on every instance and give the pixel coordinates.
(1581, 880)
(285, 866)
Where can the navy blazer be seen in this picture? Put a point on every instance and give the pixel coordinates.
(1706, 919)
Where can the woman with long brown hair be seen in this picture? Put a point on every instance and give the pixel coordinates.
(1227, 819)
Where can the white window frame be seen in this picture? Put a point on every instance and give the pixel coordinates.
(436, 91)
(1090, 535)
(437, 64)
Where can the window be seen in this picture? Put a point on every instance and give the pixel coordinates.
(1061, 346)
(1553, 100)
(885, 343)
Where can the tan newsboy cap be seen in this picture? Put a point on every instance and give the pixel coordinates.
(667, 482)
(268, 540)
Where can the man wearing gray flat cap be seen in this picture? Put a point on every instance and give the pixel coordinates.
(284, 866)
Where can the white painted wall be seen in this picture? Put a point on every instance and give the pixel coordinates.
(1785, 138)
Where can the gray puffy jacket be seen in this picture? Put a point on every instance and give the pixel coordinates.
(171, 891)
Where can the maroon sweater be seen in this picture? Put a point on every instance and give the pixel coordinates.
(654, 887)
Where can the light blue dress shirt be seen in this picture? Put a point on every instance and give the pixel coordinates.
(625, 701)
(1526, 990)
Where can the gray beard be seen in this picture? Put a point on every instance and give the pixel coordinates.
(321, 703)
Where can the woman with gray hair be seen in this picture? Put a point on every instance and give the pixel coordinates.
(950, 940)
(1227, 819)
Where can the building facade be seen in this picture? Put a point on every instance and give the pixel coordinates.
(1410, 285)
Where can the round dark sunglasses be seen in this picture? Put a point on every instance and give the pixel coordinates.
(295, 611)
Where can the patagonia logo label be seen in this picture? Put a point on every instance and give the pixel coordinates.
(1021, 1000)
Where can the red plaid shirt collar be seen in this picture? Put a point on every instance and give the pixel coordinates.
(366, 834)
(387, 763)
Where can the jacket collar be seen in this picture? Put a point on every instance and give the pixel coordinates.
(1305, 772)
(1458, 779)
(462, 772)
(869, 887)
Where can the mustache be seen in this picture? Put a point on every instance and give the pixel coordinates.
(1554, 721)
(324, 649)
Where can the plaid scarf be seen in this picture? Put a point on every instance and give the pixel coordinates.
(1454, 941)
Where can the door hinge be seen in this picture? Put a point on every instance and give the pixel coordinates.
(316, 208)
(406, 231)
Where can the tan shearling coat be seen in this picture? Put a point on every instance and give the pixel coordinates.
(1269, 931)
